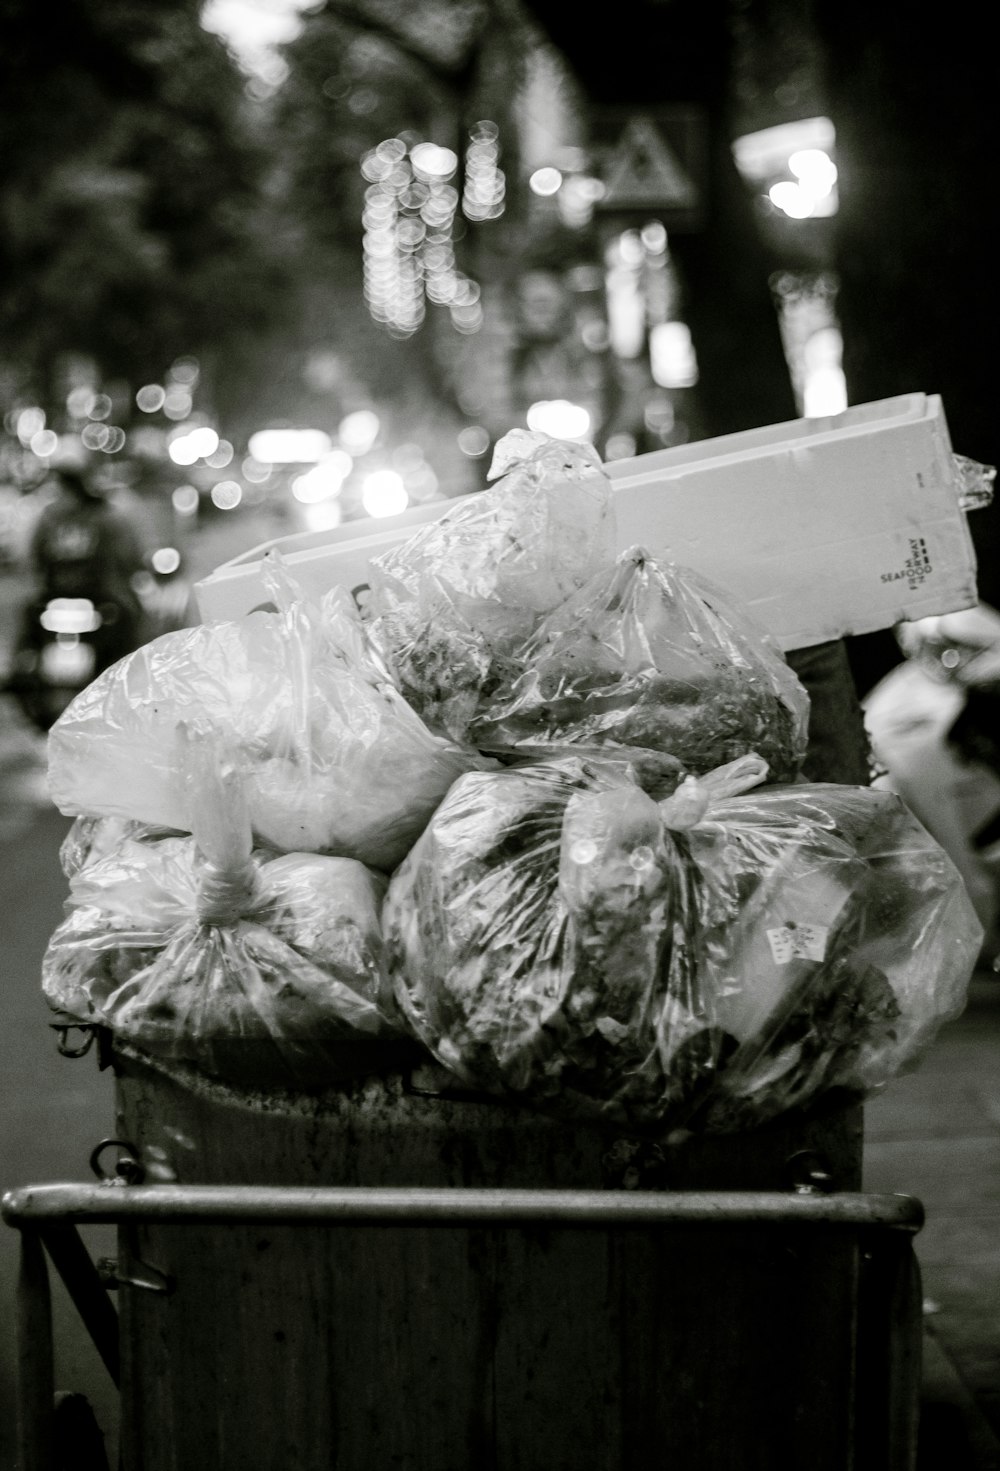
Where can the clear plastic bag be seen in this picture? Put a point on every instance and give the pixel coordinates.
(527, 933)
(837, 938)
(650, 654)
(708, 962)
(450, 607)
(333, 758)
(258, 968)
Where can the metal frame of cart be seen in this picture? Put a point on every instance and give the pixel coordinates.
(47, 1217)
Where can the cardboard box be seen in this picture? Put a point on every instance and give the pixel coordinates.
(822, 527)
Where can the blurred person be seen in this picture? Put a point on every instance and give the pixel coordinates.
(936, 747)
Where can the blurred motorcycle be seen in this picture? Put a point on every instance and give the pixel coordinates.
(66, 642)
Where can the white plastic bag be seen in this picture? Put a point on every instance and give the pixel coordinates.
(332, 757)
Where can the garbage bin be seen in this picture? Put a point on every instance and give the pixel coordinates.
(756, 1326)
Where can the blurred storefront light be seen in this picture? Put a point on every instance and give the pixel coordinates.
(625, 296)
(289, 446)
(672, 359)
(325, 480)
(803, 149)
(559, 418)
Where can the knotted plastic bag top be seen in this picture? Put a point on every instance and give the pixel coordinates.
(259, 969)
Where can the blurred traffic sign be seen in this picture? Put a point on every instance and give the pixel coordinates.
(653, 164)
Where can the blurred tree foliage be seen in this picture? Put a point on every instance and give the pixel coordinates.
(150, 206)
(360, 73)
(134, 225)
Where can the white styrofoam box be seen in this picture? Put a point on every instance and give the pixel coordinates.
(821, 527)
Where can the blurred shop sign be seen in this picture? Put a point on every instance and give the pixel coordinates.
(653, 164)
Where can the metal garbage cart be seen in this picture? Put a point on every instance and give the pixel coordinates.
(394, 1275)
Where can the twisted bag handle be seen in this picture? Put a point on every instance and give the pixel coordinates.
(220, 826)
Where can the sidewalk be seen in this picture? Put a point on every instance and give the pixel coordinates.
(935, 1134)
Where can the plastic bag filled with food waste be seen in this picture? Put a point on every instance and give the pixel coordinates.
(334, 760)
(252, 966)
(837, 937)
(450, 607)
(651, 654)
(537, 933)
(706, 962)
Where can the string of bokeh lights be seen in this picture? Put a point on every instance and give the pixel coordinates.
(409, 227)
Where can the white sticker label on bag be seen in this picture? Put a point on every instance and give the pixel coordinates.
(798, 942)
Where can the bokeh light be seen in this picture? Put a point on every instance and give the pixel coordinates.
(29, 422)
(545, 181)
(165, 560)
(254, 471)
(151, 397)
(358, 431)
(227, 494)
(221, 456)
(44, 443)
(473, 440)
(324, 480)
(384, 493)
(185, 500)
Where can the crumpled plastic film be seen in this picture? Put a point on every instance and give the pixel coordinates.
(450, 607)
(255, 968)
(333, 758)
(651, 654)
(974, 483)
(705, 963)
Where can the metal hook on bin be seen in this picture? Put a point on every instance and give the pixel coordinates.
(63, 1045)
(809, 1173)
(144, 1275)
(129, 1170)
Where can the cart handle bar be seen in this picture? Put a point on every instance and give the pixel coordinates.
(404, 1206)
